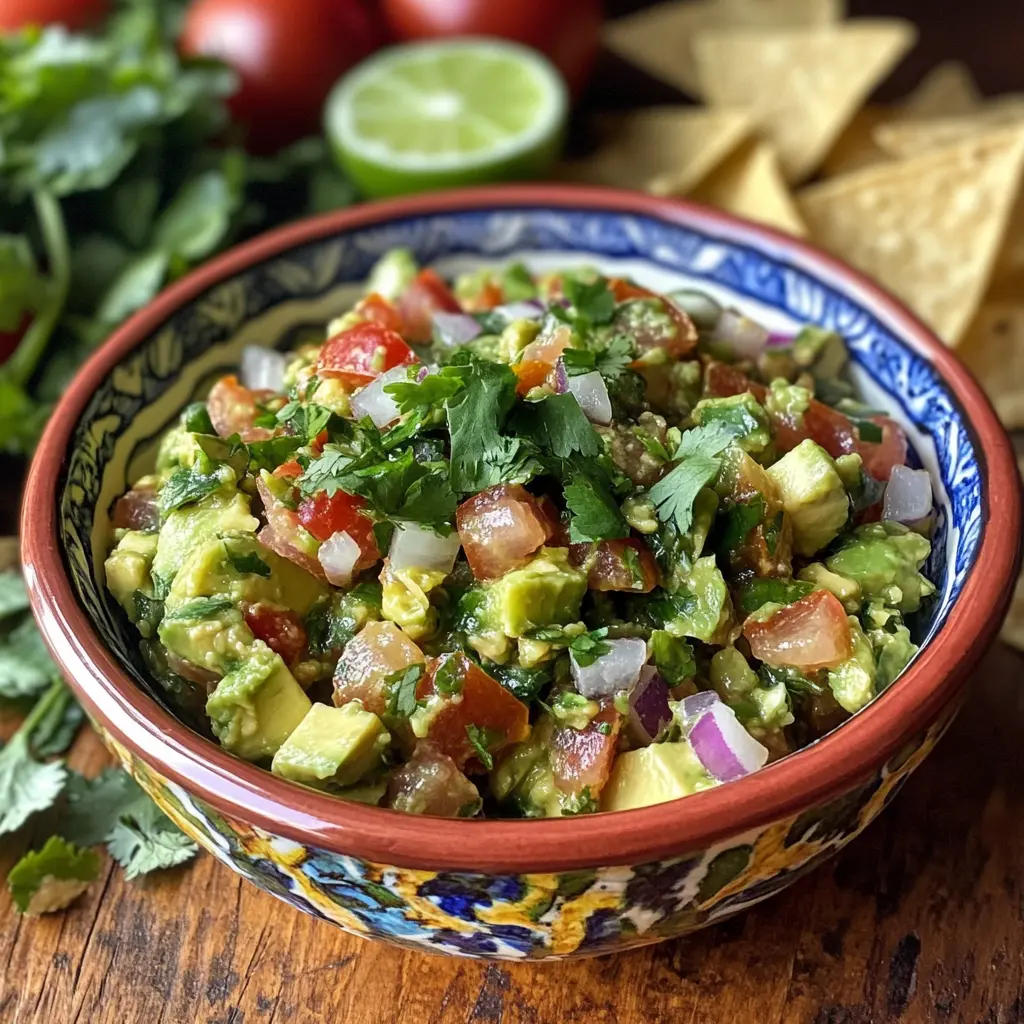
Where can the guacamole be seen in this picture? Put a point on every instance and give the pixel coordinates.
(521, 545)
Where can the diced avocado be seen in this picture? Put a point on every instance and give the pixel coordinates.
(257, 705)
(787, 401)
(850, 468)
(186, 528)
(331, 394)
(208, 632)
(731, 675)
(821, 351)
(760, 708)
(524, 776)
(546, 592)
(517, 283)
(813, 495)
(392, 273)
(516, 336)
(672, 388)
(890, 641)
(332, 747)
(178, 450)
(369, 792)
(853, 682)
(847, 590)
(127, 567)
(885, 559)
(742, 414)
(653, 775)
(334, 620)
(702, 604)
(705, 506)
(406, 602)
(469, 285)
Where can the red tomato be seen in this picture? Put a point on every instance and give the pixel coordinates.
(283, 531)
(530, 374)
(548, 347)
(288, 470)
(471, 697)
(500, 529)
(722, 380)
(232, 408)
(377, 309)
(377, 651)
(363, 352)
(192, 672)
(427, 295)
(567, 31)
(584, 757)
(431, 783)
(281, 630)
(73, 14)
(609, 568)
(809, 634)
(324, 516)
(136, 510)
(489, 296)
(287, 56)
(880, 457)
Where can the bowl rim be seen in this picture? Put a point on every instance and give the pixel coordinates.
(835, 764)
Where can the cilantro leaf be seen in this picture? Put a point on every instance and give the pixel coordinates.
(13, 595)
(201, 608)
(185, 487)
(557, 425)
(426, 395)
(56, 730)
(674, 494)
(230, 451)
(591, 300)
(51, 878)
(274, 451)
(94, 806)
(595, 513)
(401, 686)
(615, 357)
(756, 592)
(706, 440)
(578, 361)
(25, 665)
(146, 840)
(588, 647)
(868, 431)
(583, 802)
(673, 657)
(481, 738)
(739, 519)
(305, 420)
(249, 563)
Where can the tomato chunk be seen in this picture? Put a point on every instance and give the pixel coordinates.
(233, 410)
(471, 698)
(283, 533)
(722, 380)
(430, 783)
(617, 565)
(376, 308)
(880, 457)
(583, 758)
(500, 529)
(530, 374)
(377, 651)
(136, 510)
(427, 295)
(489, 296)
(325, 516)
(360, 354)
(546, 348)
(809, 634)
(280, 629)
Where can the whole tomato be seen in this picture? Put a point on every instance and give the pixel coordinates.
(567, 31)
(287, 53)
(74, 14)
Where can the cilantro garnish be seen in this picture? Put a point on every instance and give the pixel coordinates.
(306, 421)
(583, 802)
(595, 513)
(868, 431)
(49, 879)
(740, 519)
(674, 494)
(249, 563)
(146, 840)
(274, 451)
(707, 440)
(591, 301)
(578, 361)
(612, 360)
(401, 686)
(201, 608)
(185, 487)
(481, 738)
(588, 647)
(558, 426)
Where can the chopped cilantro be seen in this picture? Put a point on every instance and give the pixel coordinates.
(583, 802)
(185, 487)
(202, 608)
(772, 532)
(595, 513)
(756, 592)
(588, 647)
(612, 360)
(401, 686)
(448, 679)
(229, 451)
(673, 657)
(591, 301)
(739, 519)
(274, 451)
(578, 361)
(249, 563)
(558, 426)
(481, 739)
(196, 419)
(306, 421)
(674, 494)
(868, 431)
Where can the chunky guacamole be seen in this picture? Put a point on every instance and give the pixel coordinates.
(523, 545)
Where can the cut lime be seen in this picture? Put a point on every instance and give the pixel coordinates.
(442, 113)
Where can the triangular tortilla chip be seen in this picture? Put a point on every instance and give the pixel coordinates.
(928, 229)
(802, 86)
(911, 137)
(664, 150)
(993, 348)
(750, 184)
(948, 90)
(856, 147)
(782, 13)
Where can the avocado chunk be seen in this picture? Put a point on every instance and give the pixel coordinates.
(853, 681)
(742, 415)
(653, 775)
(885, 559)
(127, 568)
(787, 401)
(890, 641)
(821, 351)
(515, 337)
(758, 707)
(821, 578)
(812, 494)
(405, 599)
(701, 602)
(524, 776)
(332, 747)
(257, 705)
(209, 632)
(392, 273)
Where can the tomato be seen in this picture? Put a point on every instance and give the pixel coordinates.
(378, 310)
(722, 380)
(377, 651)
(471, 697)
(880, 457)
(361, 353)
(489, 296)
(809, 634)
(324, 516)
(136, 510)
(584, 757)
(546, 348)
(283, 533)
(75, 15)
(427, 295)
(288, 470)
(430, 783)
(233, 410)
(500, 529)
(530, 374)
(281, 630)
(610, 568)
(567, 31)
(193, 673)
(287, 57)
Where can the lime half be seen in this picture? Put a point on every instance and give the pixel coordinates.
(448, 112)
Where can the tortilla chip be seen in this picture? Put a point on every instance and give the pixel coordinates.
(856, 147)
(802, 85)
(664, 150)
(948, 90)
(1013, 627)
(928, 229)
(993, 348)
(782, 13)
(750, 184)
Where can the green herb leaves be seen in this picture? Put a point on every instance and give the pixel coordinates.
(588, 647)
(481, 738)
(25, 665)
(401, 687)
(185, 487)
(145, 839)
(51, 878)
(595, 513)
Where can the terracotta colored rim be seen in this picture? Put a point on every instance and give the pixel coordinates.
(826, 769)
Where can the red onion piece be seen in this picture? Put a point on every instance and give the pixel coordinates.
(561, 378)
(418, 547)
(649, 710)
(780, 340)
(452, 329)
(590, 391)
(338, 556)
(262, 369)
(619, 669)
(745, 337)
(908, 495)
(374, 402)
(528, 309)
(697, 703)
(723, 746)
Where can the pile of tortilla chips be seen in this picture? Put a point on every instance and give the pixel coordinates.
(926, 196)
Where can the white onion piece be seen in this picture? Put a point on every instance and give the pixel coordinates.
(619, 669)
(745, 337)
(372, 400)
(452, 329)
(263, 369)
(697, 703)
(338, 556)
(908, 495)
(418, 547)
(590, 391)
(528, 309)
(723, 746)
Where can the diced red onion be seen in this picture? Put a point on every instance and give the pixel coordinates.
(745, 337)
(418, 547)
(451, 329)
(561, 378)
(697, 703)
(528, 309)
(780, 340)
(703, 310)
(338, 556)
(263, 369)
(590, 391)
(649, 710)
(723, 746)
(908, 495)
(374, 402)
(619, 669)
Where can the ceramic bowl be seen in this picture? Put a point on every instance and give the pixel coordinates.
(515, 889)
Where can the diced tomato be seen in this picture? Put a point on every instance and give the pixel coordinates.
(361, 353)
(325, 516)
(880, 457)
(430, 783)
(136, 510)
(582, 758)
(471, 697)
(281, 630)
(193, 673)
(377, 651)
(500, 529)
(722, 380)
(233, 410)
(489, 296)
(283, 531)
(685, 339)
(546, 348)
(611, 568)
(530, 374)
(427, 295)
(809, 634)
(376, 308)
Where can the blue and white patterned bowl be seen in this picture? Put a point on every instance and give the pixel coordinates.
(526, 889)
